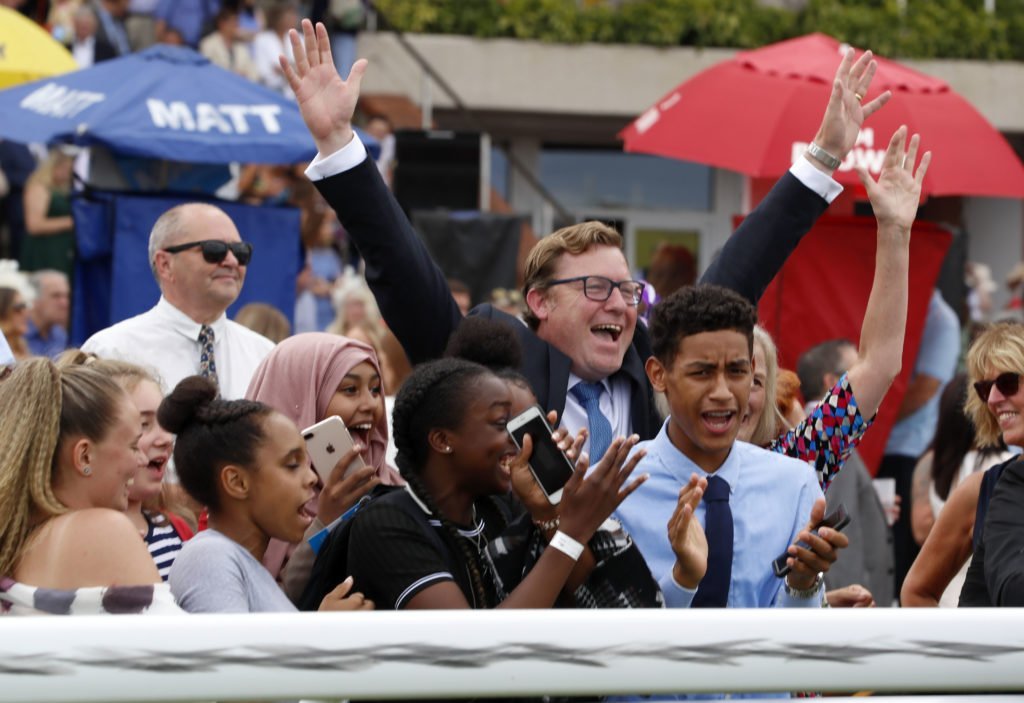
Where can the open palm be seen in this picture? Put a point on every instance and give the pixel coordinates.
(327, 102)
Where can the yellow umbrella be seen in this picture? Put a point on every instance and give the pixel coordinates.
(28, 52)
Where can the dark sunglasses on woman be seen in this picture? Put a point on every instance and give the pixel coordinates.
(1008, 384)
(215, 251)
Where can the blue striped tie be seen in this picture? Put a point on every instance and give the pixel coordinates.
(589, 396)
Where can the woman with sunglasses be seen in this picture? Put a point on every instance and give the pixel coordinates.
(993, 404)
(199, 261)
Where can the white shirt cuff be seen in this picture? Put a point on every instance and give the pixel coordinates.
(676, 596)
(344, 159)
(805, 172)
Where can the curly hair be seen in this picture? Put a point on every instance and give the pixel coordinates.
(695, 309)
(212, 433)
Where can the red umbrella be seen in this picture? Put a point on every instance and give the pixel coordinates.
(755, 112)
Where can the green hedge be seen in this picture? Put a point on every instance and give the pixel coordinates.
(927, 29)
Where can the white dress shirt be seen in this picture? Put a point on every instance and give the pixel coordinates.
(166, 340)
(614, 404)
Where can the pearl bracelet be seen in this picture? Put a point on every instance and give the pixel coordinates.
(566, 545)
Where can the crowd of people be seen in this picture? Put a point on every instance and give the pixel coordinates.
(163, 467)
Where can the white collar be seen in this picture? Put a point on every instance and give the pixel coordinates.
(185, 325)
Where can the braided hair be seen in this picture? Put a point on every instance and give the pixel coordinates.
(212, 433)
(436, 395)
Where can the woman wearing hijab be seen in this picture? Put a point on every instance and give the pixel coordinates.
(308, 378)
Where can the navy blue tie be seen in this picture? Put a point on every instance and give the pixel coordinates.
(589, 396)
(713, 591)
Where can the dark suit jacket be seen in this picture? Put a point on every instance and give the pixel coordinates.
(414, 298)
(1003, 553)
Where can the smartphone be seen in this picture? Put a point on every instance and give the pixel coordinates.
(326, 441)
(548, 463)
(837, 520)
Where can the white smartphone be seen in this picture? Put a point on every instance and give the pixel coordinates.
(326, 441)
(548, 463)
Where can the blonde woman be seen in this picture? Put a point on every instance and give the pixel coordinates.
(993, 405)
(165, 524)
(69, 455)
(50, 243)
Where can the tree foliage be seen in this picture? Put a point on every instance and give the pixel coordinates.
(922, 29)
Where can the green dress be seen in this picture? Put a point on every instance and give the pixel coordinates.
(51, 251)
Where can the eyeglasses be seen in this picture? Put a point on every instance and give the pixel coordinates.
(600, 288)
(1008, 384)
(215, 251)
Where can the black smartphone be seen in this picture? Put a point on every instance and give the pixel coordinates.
(549, 465)
(837, 520)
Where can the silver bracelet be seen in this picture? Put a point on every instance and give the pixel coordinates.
(804, 593)
(823, 157)
(566, 545)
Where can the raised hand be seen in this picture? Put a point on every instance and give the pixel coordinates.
(895, 195)
(811, 554)
(587, 502)
(687, 536)
(525, 485)
(846, 111)
(326, 102)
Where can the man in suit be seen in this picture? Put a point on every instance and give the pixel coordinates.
(582, 304)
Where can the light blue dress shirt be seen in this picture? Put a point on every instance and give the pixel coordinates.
(770, 495)
(936, 357)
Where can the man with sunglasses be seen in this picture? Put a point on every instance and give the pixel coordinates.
(199, 262)
(582, 351)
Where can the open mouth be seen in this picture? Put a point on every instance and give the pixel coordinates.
(156, 466)
(719, 421)
(1006, 417)
(360, 432)
(306, 514)
(608, 331)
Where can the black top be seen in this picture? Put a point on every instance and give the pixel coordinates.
(394, 552)
(974, 593)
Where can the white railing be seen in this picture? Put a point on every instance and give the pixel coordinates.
(445, 654)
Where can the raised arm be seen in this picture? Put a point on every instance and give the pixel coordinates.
(894, 198)
(410, 289)
(759, 247)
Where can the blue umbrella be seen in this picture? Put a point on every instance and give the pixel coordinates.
(166, 102)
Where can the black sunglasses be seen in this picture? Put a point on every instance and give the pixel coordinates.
(1008, 384)
(215, 251)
